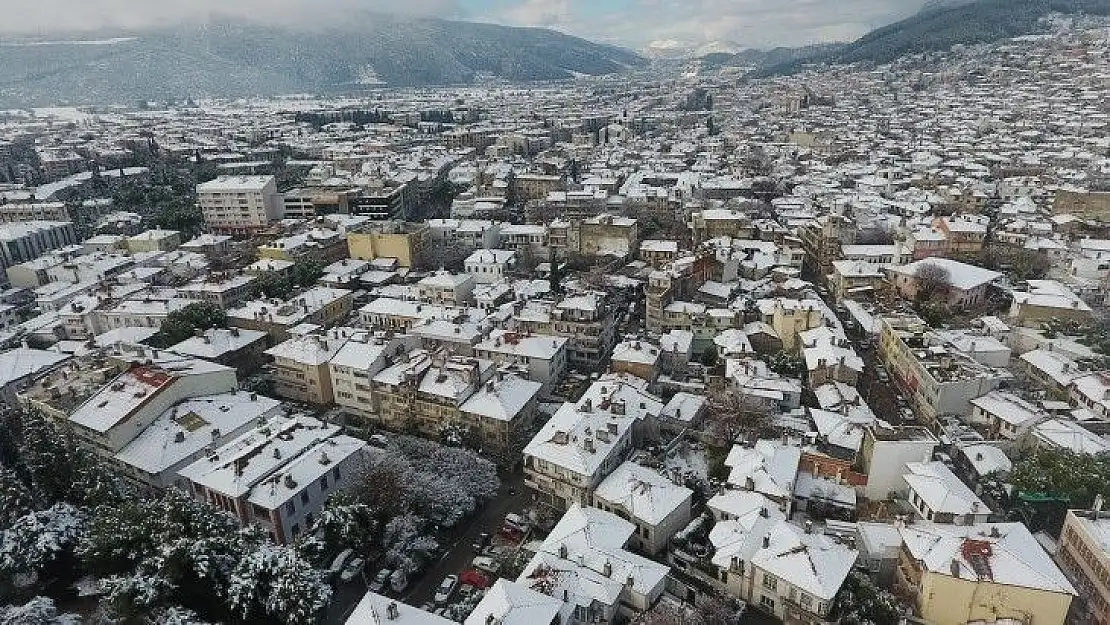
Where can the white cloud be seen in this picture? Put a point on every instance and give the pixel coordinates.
(751, 23)
(49, 16)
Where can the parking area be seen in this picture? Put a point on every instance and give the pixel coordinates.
(457, 556)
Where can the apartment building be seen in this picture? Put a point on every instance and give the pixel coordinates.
(277, 475)
(1084, 557)
(937, 495)
(987, 572)
(223, 291)
(937, 379)
(28, 240)
(583, 443)
(393, 239)
(355, 364)
(654, 504)
(239, 204)
(489, 266)
(886, 450)
(245, 350)
(119, 412)
(783, 570)
(543, 358)
(182, 434)
(320, 306)
(446, 289)
(300, 369)
(589, 322)
(156, 240)
(586, 563)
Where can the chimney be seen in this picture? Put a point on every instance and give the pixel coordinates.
(179, 437)
(767, 542)
(607, 571)
(563, 552)
(809, 526)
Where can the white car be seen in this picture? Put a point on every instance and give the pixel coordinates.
(351, 571)
(446, 589)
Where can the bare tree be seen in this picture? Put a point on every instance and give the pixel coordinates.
(732, 416)
(932, 280)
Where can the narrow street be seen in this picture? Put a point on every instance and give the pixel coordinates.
(457, 555)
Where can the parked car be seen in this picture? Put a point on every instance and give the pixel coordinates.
(446, 589)
(352, 570)
(517, 522)
(339, 562)
(380, 580)
(489, 565)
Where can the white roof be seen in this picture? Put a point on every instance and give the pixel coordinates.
(771, 465)
(1008, 407)
(540, 346)
(941, 490)
(256, 462)
(1016, 558)
(960, 275)
(312, 349)
(565, 440)
(235, 184)
(986, 458)
(22, 361)
(743, 504)
(134, 388)
(374, 609)
(683, 407)
(592, 539)
(512, 603)
(638, 352)
(643, 493)
(1070, 435)
(217, 341)
(502, 400)
(187, 428)
(487, 257)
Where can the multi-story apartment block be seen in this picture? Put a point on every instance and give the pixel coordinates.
(277, 475)
(392, 239)
(542, 358)
(937, 379)
(321, 306)
(239, 204)
(354, 366)
(1084, 557)
(980, 573)
(226, 292)
(301, 370)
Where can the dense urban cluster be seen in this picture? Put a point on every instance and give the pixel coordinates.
(659, 347)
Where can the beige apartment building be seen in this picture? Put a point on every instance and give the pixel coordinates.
(402, 241)
(1084, 557)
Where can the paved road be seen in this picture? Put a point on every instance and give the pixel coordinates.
(459, 551)
(456, 558)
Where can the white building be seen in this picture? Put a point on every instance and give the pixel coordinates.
(585, 563)
(239, 204)
(489, 266)
(657, 506)
(277, 475)
(937, 495)
(543, 357)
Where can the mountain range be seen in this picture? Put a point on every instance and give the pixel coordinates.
(233, 59)
(940, 25)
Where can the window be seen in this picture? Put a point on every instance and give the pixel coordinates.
(304, 497)
(336, 474)
(767, 603)
(290, 507)
(308, 520)
(324, 482)
(296, 529)
(770, 582)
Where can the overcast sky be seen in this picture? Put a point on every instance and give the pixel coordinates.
(633, 23)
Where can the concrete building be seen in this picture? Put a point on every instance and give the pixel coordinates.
(277, 475)
(239, 204)
(989, 573)
(543, 358)
(885, 452)
(966, 284)
(402, 241)
(301, 371)
(1084, 557)
(155, 240)
(654, 504)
